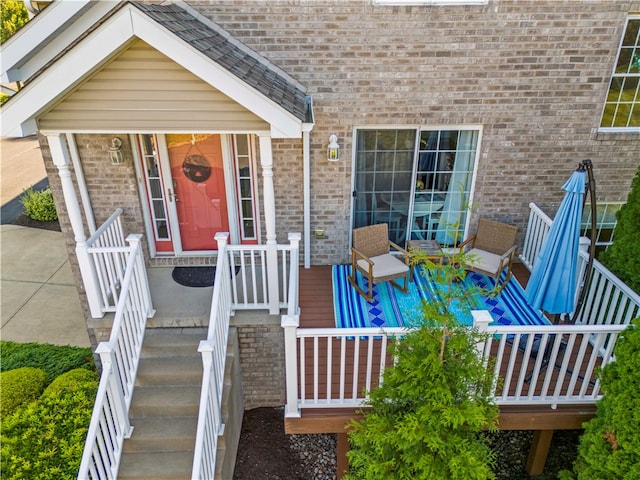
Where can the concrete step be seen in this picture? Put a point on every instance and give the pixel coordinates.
(156, 465)
(162, 434)
(162, 342)
(170, 370)
(163, 401)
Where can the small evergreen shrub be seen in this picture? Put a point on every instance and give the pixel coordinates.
(39, 205)
(427, 419)
(53, 359)
(623, 256)
(610, 446)
(45, 440)
(20, 386)
(3, 98)
(70, 380)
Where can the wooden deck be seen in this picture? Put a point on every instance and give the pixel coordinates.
(316, 311)
(316, 295)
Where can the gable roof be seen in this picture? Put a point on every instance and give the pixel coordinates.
(231, 54)
(186, 37)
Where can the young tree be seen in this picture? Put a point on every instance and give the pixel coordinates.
(427, 419)
(13, 15)
(610, 446)
(623, 256)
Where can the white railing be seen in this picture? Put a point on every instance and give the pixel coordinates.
(534, 365)
(363, 354)
(251, 278)
(548, 365)
(227, 296)
(213, 350)
(537, 229)
(119, 357)
(107, 249)
(608, 300)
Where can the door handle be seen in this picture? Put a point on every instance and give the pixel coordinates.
(171, 195)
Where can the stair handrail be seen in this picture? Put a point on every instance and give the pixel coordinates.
(120, 357)
(214, 350)
(108, 250)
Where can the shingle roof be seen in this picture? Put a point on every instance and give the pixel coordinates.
(229, 53)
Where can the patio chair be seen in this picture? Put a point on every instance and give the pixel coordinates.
(491, 250)
(371, 256)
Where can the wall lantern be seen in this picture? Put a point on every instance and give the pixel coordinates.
(333, 150)
(115, 151)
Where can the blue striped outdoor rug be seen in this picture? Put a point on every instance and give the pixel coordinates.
(392, 308)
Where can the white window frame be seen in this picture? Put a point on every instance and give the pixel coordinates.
(615, 75)
(420, 128)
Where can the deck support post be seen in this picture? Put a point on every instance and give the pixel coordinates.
(290, 325)
(538, 452)
(342, 462)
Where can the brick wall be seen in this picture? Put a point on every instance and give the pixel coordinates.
(262, 363)
(534, 74)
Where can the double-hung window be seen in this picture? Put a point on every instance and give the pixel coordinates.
(622, 107)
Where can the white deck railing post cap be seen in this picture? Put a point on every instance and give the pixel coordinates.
(290, 321)
(205, 346)
(481, 318)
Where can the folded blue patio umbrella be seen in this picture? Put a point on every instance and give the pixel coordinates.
(552, 285)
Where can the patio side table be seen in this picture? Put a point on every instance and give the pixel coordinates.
(431, 248)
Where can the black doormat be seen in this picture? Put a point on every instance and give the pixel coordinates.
(194, 276)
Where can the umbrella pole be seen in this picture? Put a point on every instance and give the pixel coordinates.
(591, 186)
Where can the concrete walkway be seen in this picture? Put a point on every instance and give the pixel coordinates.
(38, 297)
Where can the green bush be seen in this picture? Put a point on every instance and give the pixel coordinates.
(70, 380)
(20, 386)
(53, 359)
(45, 440)
(13, 15)
(427, 419)
(610, 446)
(39, 205)
(623, 256)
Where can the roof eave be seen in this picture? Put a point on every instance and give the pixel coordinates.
(128, 22)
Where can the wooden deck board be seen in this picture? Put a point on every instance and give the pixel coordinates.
(316, 311)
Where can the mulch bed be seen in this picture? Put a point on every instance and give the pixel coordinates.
(265, 451)
(25, 221)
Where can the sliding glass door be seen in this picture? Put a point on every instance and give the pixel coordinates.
(416, 180)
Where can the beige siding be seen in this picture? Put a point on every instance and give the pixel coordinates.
(142, 89)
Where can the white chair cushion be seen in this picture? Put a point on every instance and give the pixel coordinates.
(483, 260)
(385, 265)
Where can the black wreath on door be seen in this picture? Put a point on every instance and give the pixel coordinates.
(196, 168)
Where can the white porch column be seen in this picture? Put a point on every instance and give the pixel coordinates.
(269, 201)
(87, 270)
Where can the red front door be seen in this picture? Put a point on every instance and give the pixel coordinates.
(199, 189)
